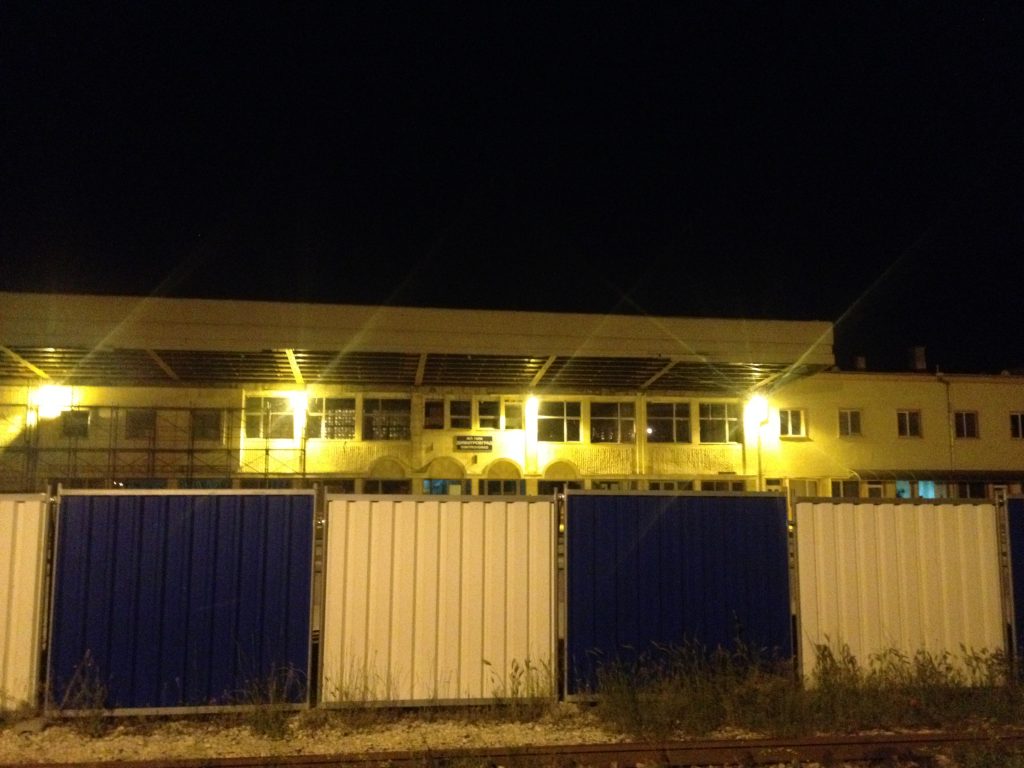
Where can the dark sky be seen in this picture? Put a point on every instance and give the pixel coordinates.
(861, 163)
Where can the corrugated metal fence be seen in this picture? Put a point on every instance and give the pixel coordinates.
(23, 531)
(898, 576)
(164, 600)
(438, 599)
(181, 599)
(649, 573)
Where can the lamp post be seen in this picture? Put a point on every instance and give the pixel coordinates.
(757, 415)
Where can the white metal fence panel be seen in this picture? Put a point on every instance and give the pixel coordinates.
(23, 528)
(908, 577)
(438, 599)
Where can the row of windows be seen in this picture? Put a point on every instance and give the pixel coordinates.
(334, 418)
(205, 424)
(793, 423)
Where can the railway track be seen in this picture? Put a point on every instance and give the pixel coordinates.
(828, 750)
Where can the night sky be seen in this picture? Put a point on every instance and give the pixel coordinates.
(861, 163)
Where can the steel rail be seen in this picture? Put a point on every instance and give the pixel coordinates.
(820, 749)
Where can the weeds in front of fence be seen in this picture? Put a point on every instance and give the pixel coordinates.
(690, 691)
(268, 702)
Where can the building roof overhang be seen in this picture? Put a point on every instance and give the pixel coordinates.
(116, 340)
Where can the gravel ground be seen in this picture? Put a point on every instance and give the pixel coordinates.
(310, 733)
(315, 732)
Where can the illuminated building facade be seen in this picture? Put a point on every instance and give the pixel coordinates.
(108, 392)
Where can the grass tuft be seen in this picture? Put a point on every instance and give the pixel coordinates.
(690, 691)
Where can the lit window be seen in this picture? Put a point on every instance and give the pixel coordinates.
(792, 423)
(612, 422)
(849, 422)
(966, 423)
(74, 423)
(558, 421)
(460, 414)
(908, 423)
(720, 423)
(488, 414)
(332, 418)
(1017, 425)
(140, 423)
(513, 414)
(386, 419)
(845, 489)
(668, 423)
(269, 418)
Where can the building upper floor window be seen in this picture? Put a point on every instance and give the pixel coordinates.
(792, 422)
(720, 423)
(332, 418)
(908, 423)
(558, 421)
(75, 423)
(460, 414)
(269, 418)
(849, 422)
(433, 414)
(668, 423)
(612, 422)
(140, 423)
(1017, 425)
(966, 423)
(207, 425)
(489, 414)
(386, 418)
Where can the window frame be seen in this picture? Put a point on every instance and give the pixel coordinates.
(786, 417)
(847, 417)
(384, 424)
(680, 426)
(74, 423)
(620, 425)
(328, 425)
(570, 418)
(1017, 425)
(268, 417)
(909, 423)
(966, 425)
(140, 423)
(730, 421)
(198, 432)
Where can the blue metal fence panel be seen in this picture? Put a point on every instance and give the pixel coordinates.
(649, 572)
(177, 599)
(1015, 517)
